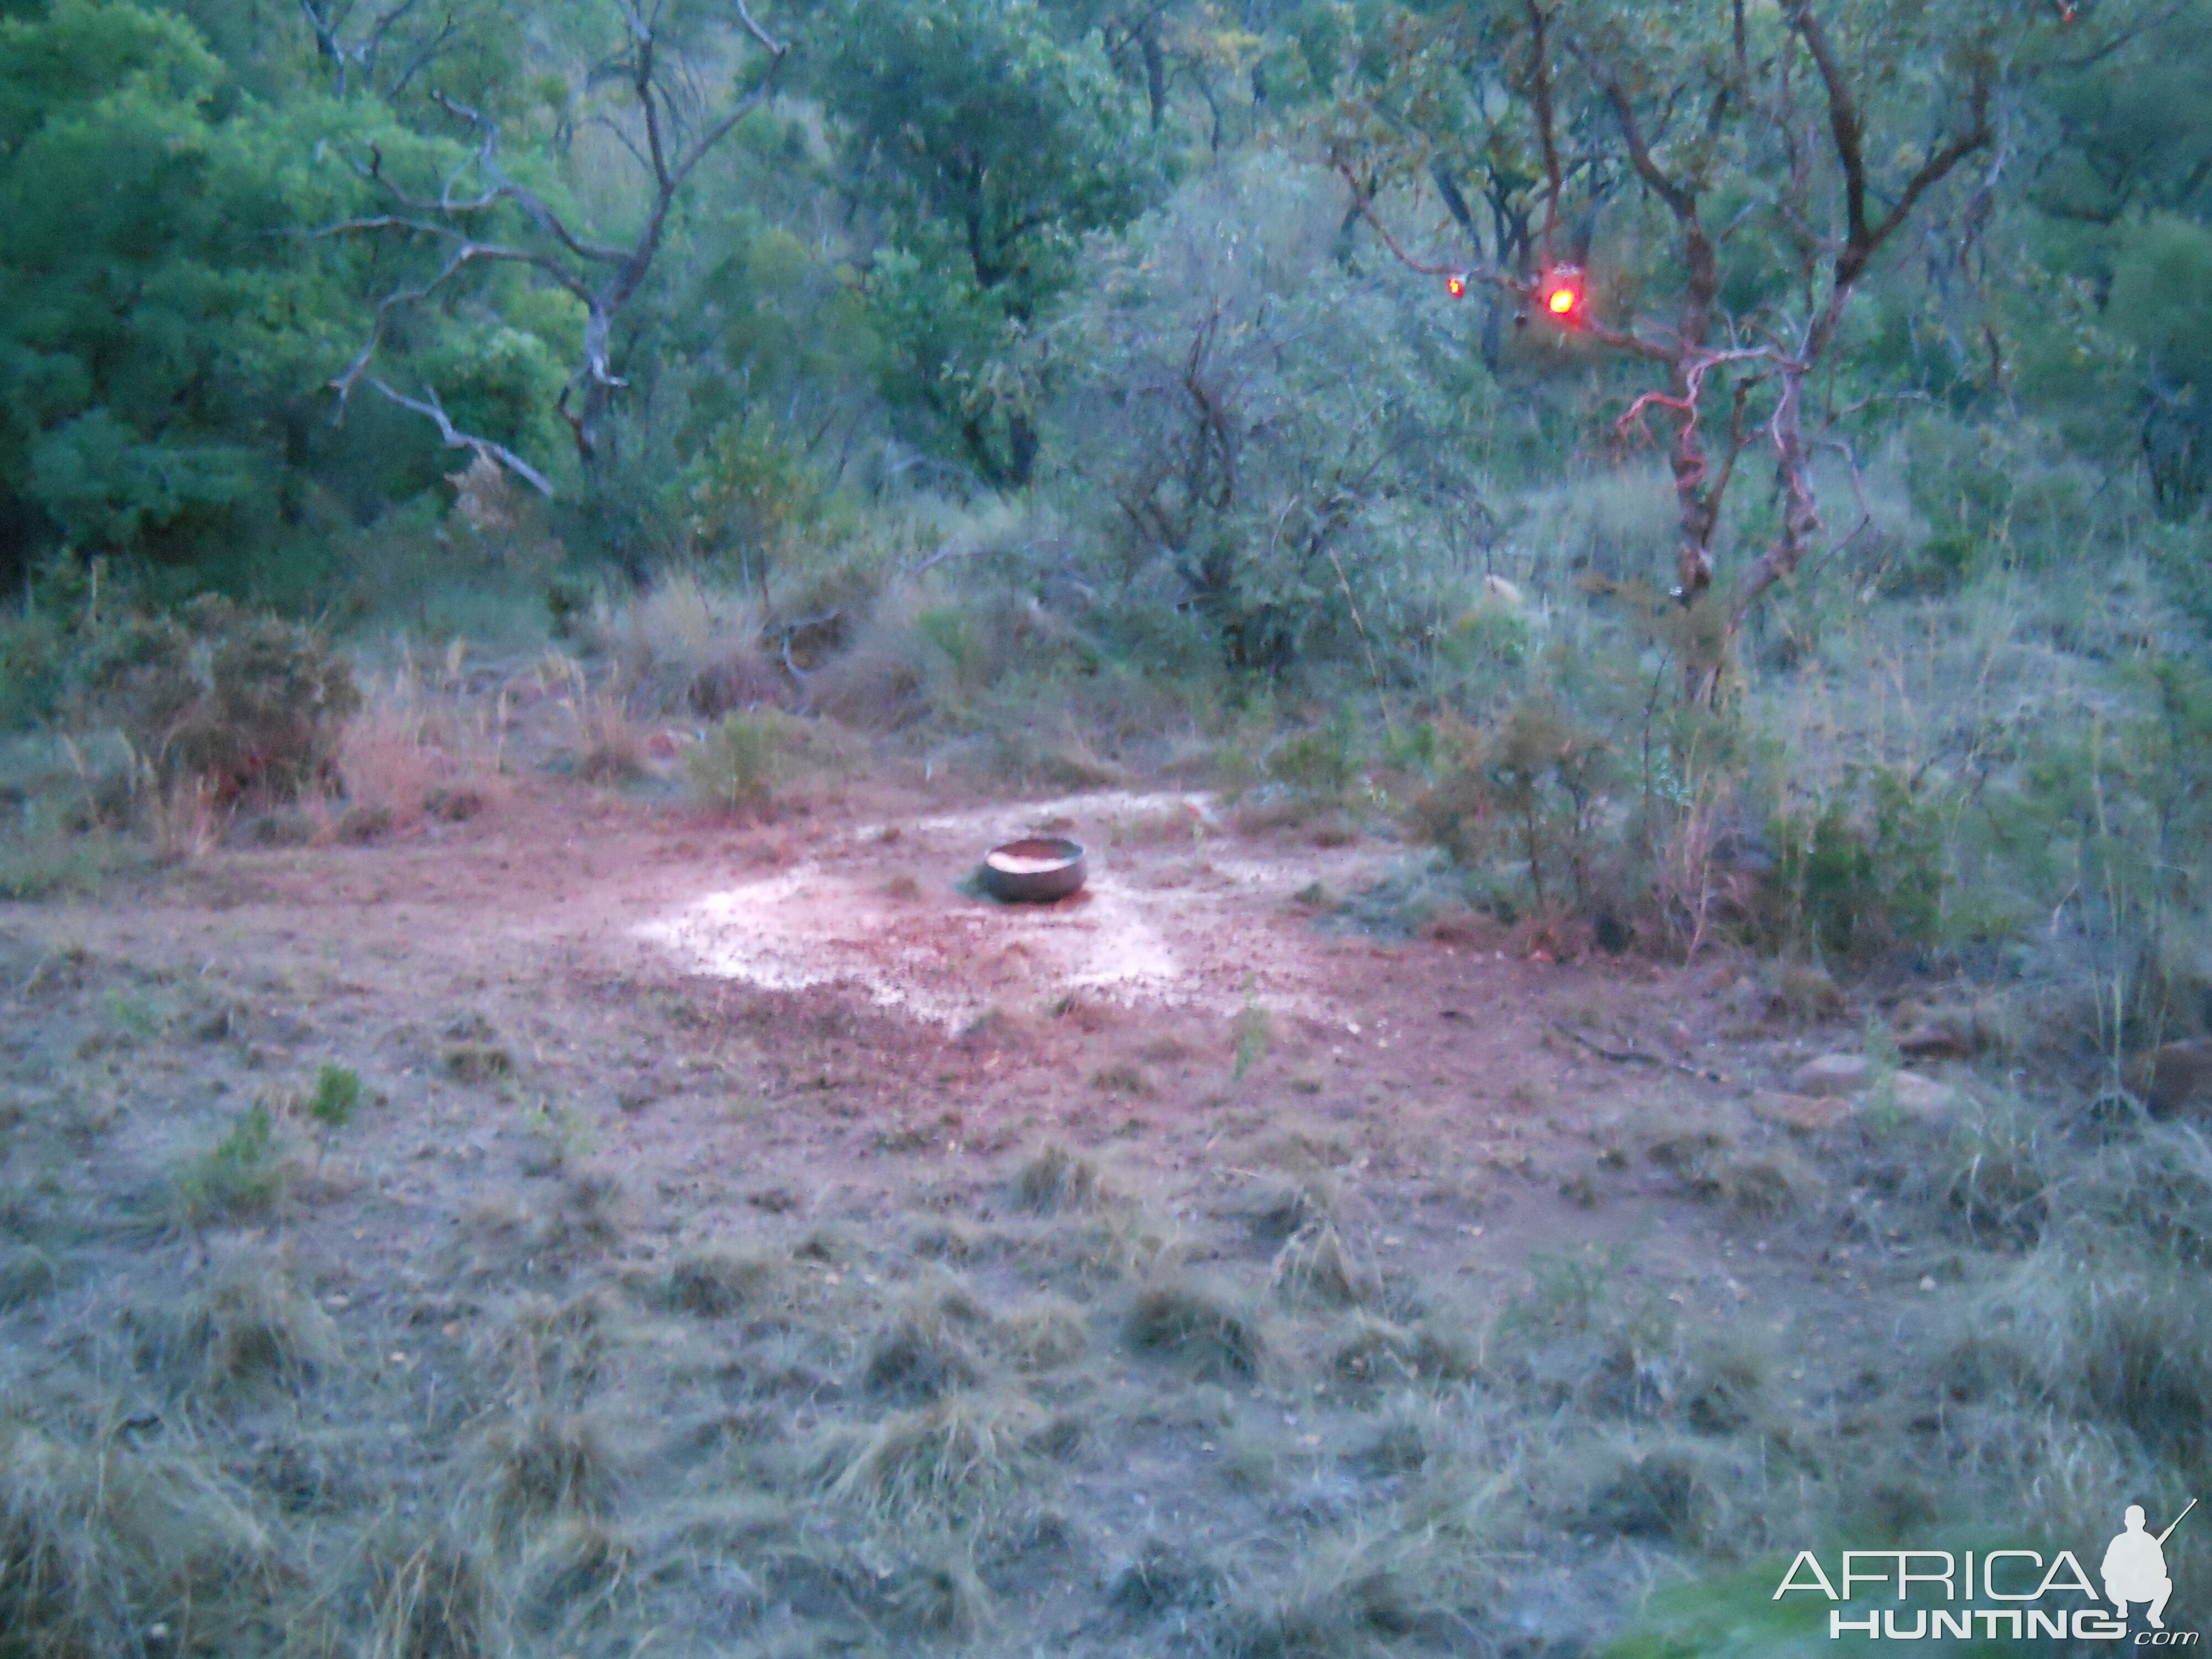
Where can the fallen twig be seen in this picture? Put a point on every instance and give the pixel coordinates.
(1638, 1057)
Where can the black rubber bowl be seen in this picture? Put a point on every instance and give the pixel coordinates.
(1036, 870)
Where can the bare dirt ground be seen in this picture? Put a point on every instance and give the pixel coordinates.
(750, 1240)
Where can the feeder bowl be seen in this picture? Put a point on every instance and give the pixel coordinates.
(1036, 870)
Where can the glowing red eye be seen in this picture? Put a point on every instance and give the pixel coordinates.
(1456, 285)
(1562, 301)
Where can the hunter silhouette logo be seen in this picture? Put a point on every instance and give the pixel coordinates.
(2135, 1566)
(2028, 1592)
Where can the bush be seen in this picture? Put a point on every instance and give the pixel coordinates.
(1321, 761)
(1532, 791)
(252, 703)
(1270, 440)
(743, 756)
(31, 669)
(241, 1174)
(2094, 829)
(1864, 874)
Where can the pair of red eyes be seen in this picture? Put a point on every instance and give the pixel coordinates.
(1560, 299)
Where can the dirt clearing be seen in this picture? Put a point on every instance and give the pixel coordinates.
(599, 1229)
(1188, 921)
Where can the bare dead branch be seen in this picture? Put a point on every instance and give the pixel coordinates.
(427, 55)
(498, 453)
(504, 189)
(621, 271)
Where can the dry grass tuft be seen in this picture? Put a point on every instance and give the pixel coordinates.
(26, 1274)
(543, 1463)
(718, 1280)
(1316, 1266)
(100, 1538)
(1716, 1170)
(611, 746)
(926, 1349)
(1198, 1327)
(243, 1174)
(1404, 1438)
(1164, 1578)
(478, 1062)
(1278, 1209)
(2116, 1341)
(688, 646)
(1055, 1180)
(385, 769)
(408, 756)
(1121, 1079)
(1668, 1493)
(1762, 1185)
(943, 1593)
(2155, 1189)
(1803, 994)
(183, 820)
(573, 1571)
(948, 1238)
(1302, 1151)
(1991, 1182)
(248, 1328)
(957, 1466)
(1122, 1241)
(1369, 1350)
(1045, 1335)
(549, 1349)
(1363, 1592)
(432, 1600)
(1725, 1388)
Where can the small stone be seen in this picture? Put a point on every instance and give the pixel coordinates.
(1830, 1074)
(1928, 1281)
(1919, 1097)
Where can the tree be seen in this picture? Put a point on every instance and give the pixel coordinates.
(157, 321)
(2117, 339)
(401, 46)
(1770, 146)
(990, 147)
(478, 216)
(1276, 446)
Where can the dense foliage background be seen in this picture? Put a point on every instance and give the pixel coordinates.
(951, 228)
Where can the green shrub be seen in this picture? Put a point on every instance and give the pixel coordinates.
(31, 669)
(250, 703)
(1533, 790)
(336, 1096)
(239, 1175)
(1321, 761)
(743, 757)
(1864, 874)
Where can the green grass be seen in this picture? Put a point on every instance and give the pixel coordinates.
(241, 1175)
(58, 864)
